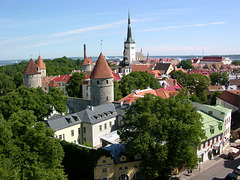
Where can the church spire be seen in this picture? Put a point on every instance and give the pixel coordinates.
(129, 33)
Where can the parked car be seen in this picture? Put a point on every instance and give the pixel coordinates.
(237, 170)
(232, 155)
(231, 176)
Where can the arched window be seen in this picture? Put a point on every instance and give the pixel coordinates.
(123, 177)
(137, 175)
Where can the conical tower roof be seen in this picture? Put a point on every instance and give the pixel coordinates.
(101, 69)
(31, 68)
(53, 84)
(87, 61)
(40, 63)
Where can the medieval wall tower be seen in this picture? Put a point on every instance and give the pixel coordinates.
(87, 64)
(41, 65)
(32, 75)
(101, 82)
(129, 52)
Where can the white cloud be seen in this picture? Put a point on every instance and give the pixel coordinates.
(182, 26)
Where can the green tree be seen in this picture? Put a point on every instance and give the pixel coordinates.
(197, 84)
(30, 99)
(165, 132)
(117, 92)
(18, 79)
(33, 153)
(181, 77)
(6, 84)
(74, 84)
(236, 62)
(215, 78)
(213, 97)
(224, 78)
(185, 64)
(137, 80)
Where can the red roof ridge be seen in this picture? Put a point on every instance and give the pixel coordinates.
(40, 63)
(31, 68)
(101, 69)
(53, 84)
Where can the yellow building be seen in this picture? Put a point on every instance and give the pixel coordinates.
(118, 166)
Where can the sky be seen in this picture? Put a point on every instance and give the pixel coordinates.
(57, 28)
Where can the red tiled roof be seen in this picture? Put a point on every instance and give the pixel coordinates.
(31, 68)
(53, 84)
(87, 61)
(142, 67)
(116, 77)
(231, 98)
(40, 63)
(101, 69)
(212, 59)
(62, 78)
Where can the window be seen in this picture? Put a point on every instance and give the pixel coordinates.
(107, 98)
(79, 130)
(72, 132)
(60, 136)
(74, 141)
(137, 175)
(100, 128)
(126, 167)
(110, 123)
(210, 112)
(105, 178)
(107, 81)
(84, 129)
(85, 140)
(97, 82)
(212, 131)
(104, 170)
(105, 126)
(123, 177)
(63, 136)
(104, 161)
(120, 168)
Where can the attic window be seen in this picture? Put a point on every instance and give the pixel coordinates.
(210, 112)
(68, 120)
(222, 113)
(95, 117)
(75, 118)
(212, 129)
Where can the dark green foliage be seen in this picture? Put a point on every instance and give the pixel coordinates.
(164, 132)
(213, 97)
(74, 84)
(62, 66)
(6, 84)
(137, 80)
(236, 62)
(79, 162)
(31, 99)
(181, 77)
(185, 64)
(117, 92)
(27, 149)
(219, 78)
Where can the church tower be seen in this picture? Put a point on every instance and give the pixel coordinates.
(129, 52)
(41, 66)
(87, 64)
(101, 82)
(32, 75)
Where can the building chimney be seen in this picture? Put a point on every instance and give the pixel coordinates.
(85, 54)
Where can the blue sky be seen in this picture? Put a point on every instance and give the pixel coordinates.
(56, 28)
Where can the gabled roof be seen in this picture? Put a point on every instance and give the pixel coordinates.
(87, 61)
(116, 77)
(162, 67)
(40, 63)
(62, 78)
(96, 114)
(31, 68)
(142, 67)
(231, 98)
(101, 69)
(53, 84)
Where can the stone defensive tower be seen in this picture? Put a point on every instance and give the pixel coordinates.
(101, 82)
(41, 66)
(87, 64)
(32, 75)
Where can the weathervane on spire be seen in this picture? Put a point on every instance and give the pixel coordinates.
(101, 43)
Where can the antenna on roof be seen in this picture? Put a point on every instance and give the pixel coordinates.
(101, 43)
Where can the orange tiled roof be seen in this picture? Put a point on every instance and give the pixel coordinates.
(31, 68)
(40, 63)
(87, 61)
(101, 69)
(53, 84)
(142, 67)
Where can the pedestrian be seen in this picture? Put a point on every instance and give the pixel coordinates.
(188, 171)
(191, 171)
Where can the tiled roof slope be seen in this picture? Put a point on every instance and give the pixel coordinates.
(53, 84)
(231, 98)
(62, 78)
(40, 63)
(87, 61)
(101, 69)
(31, 68)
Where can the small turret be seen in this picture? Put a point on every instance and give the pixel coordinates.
(87, 64)
(41, 66)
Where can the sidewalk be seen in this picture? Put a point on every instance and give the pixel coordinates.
(201, 168)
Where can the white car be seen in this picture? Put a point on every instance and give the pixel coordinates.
(237, 170)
